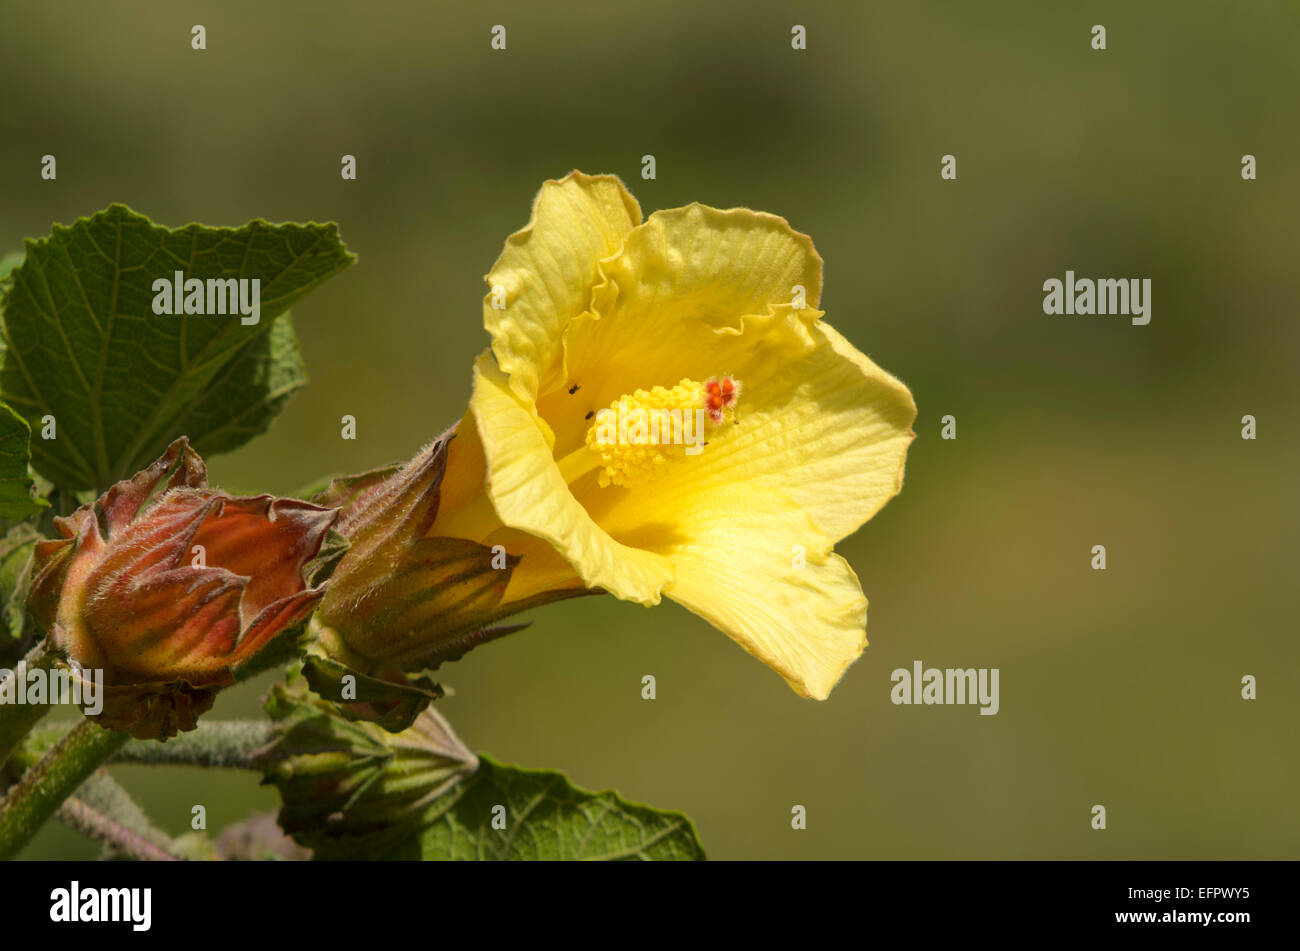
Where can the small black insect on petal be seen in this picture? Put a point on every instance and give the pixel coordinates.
(590, 413)
(573, 389)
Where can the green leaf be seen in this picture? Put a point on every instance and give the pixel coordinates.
(249, 391)
(83, 344)
(547, 817)
(16, 548)
(16, 499)
(8, 262)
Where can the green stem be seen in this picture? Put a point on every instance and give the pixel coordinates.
(104, 810)
(88, 820)
(17, 719)
(219, 743)
(45, 786)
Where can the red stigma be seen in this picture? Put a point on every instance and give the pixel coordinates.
(720, 394)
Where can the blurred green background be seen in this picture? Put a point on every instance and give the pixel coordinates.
(1119, 687)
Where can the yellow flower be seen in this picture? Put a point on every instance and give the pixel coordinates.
(594, 313)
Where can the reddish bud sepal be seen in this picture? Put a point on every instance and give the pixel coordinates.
(401, 600)
(170, 593)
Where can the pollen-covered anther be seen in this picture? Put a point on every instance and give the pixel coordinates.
(642, 434)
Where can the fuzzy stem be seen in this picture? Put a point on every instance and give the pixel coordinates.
(88, 820)
(45, 786)
(221, 743)
(105, 797)
(17, 719)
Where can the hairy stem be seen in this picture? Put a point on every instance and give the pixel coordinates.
(88, 820)
(17, 719)
(104, 796)
(223, 743)
(44, 787)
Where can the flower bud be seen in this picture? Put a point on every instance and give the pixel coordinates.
(350, 787)
(402, 599)
(170, 594)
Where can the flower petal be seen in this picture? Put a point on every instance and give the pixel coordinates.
(835, 439)
(711, 265)
(816, 421)
(676, 302)
(528, 492)
(737, 571)
(691, 270)
(547, 271)
(698, 292)
(541, 568)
